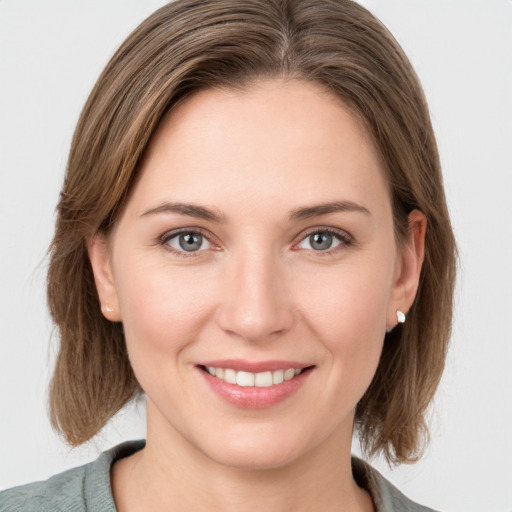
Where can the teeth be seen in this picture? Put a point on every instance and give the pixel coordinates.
(245, 379)
(230, 376)
(260, 380)
(289, 374)
(263, 380)
(278, 377)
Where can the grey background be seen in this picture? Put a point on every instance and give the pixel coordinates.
(50, 55)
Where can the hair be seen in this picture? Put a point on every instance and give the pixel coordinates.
(191, 45)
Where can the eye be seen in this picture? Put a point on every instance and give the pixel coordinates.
(323, 240)
(188, 241)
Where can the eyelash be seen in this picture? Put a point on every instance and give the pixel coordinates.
(344, 238)
(166, 237)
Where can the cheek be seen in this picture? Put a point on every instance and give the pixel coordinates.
(348, 315)
(353, 303)
(162, 310)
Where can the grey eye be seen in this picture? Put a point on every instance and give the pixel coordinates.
(189, 242)
(320, 241)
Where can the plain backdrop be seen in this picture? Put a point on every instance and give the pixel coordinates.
(50, 55)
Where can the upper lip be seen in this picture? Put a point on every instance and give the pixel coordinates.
(255, 366)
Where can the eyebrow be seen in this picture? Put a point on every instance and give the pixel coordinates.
(326, 208)
(306, 212)
(189, 209)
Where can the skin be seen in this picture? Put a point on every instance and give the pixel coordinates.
(257, 290)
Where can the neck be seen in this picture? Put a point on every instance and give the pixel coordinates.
(170, 473)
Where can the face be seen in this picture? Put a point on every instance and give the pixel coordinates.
(255, 272)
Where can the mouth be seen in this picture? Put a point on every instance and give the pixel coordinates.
(264, 379)
(251, 385)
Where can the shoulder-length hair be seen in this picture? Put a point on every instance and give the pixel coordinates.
(190, 45)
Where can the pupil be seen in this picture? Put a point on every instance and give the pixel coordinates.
(321, 241)
(191, 241)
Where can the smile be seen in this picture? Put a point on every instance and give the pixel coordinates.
(254, 385)
(249, 379)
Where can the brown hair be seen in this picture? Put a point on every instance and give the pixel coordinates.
(190, 45)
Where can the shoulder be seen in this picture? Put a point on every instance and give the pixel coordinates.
(86, 488)
(61, 492)
(386, 497)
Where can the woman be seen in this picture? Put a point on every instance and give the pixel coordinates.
(254, 222)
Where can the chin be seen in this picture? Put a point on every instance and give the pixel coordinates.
(258, 450)
(254, 458)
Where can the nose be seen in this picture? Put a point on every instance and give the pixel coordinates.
(256, 304)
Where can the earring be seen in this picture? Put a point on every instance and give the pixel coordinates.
(400, 316)
(108, 309)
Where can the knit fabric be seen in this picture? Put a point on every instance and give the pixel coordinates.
(87, 488)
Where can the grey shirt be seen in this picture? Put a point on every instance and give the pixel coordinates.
(87, 488)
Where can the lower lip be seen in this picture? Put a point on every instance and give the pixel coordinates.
(252, 397)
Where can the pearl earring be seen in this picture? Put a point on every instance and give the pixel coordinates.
(108, 309)
(400, 316)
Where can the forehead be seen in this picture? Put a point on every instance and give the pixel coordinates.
(272, 137)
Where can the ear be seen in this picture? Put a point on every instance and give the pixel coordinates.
(103, 278)
(408, 268)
